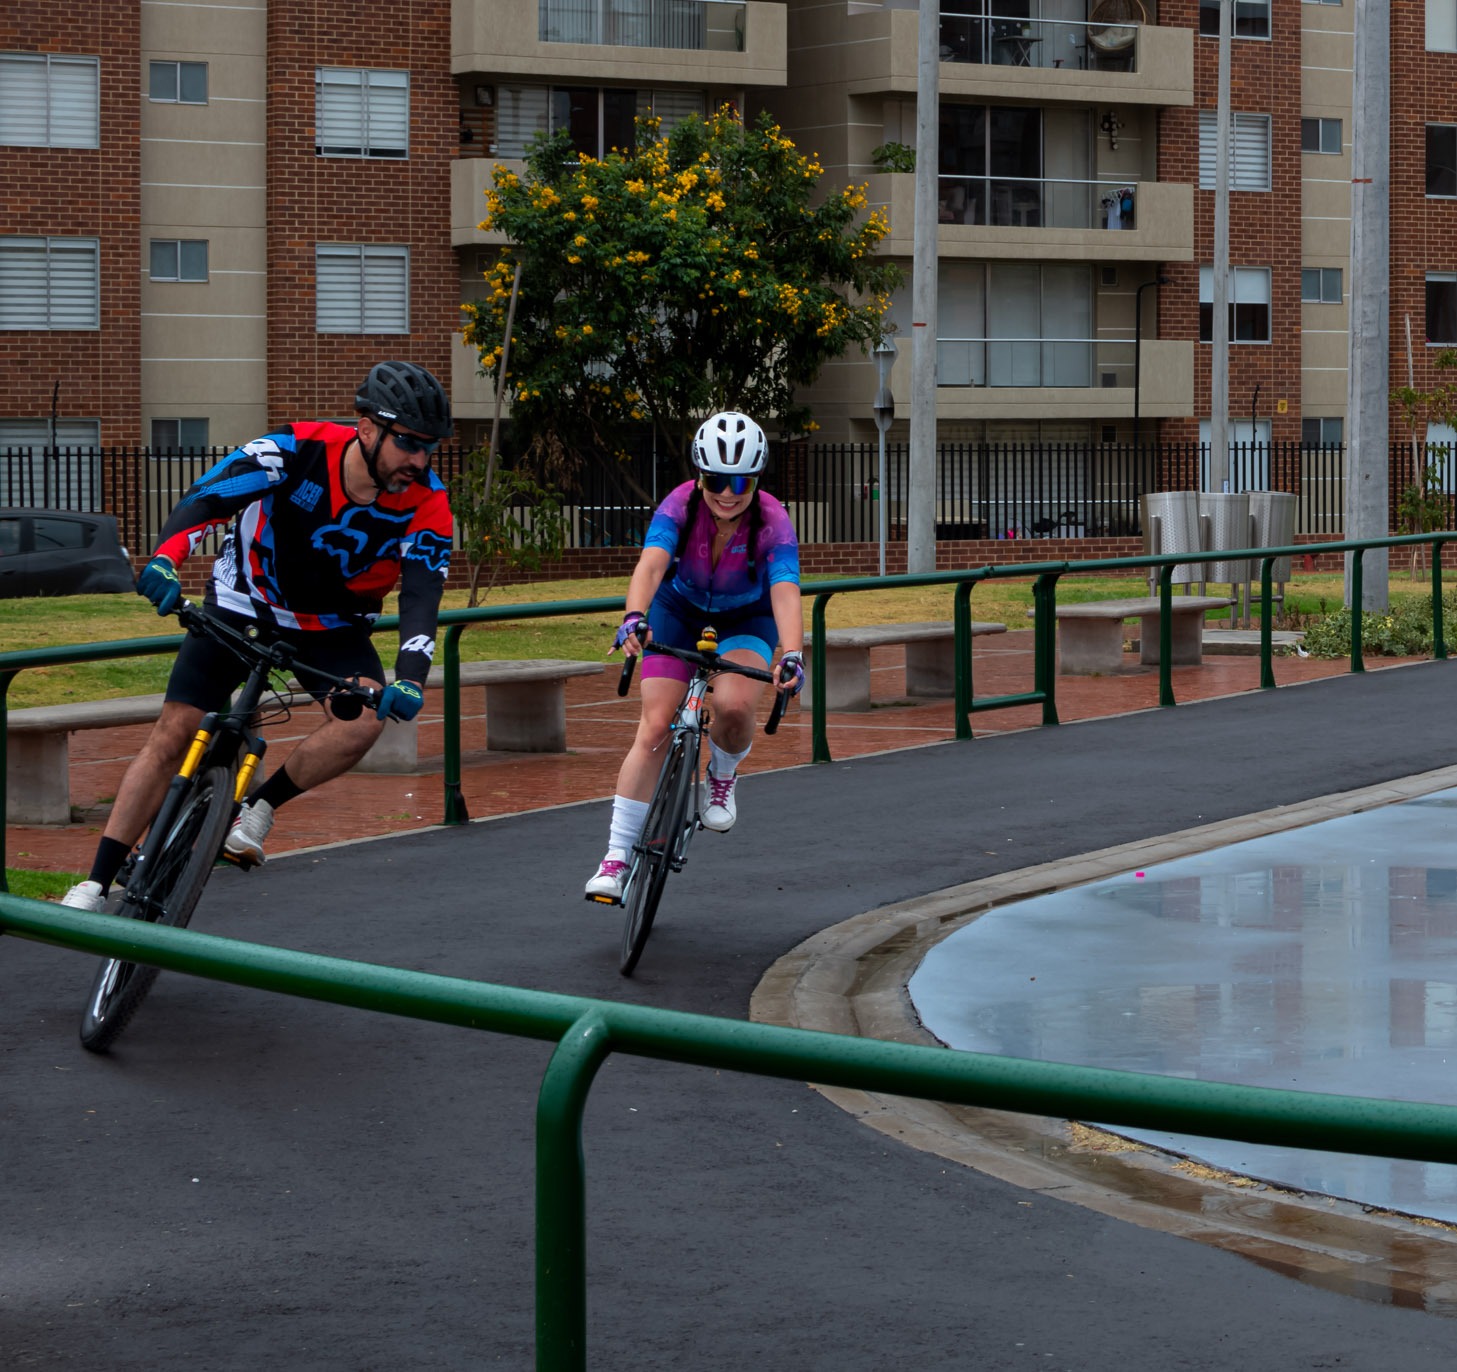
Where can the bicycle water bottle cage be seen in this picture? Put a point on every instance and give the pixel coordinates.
(708, 641)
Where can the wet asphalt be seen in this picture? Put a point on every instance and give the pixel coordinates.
(250, 1180)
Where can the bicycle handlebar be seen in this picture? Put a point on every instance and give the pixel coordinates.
(347, 698)
(710, 662)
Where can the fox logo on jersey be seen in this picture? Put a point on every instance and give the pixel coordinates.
(366, 535)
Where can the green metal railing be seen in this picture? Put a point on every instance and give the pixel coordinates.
(586, 1032)
(963, 583)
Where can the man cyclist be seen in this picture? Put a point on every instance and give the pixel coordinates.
(734, 563)
(323, 520)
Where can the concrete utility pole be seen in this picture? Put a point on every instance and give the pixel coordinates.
(921, 492)
(1219, 345)
(1368, 477)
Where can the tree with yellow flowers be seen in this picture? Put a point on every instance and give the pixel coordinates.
(702, 270)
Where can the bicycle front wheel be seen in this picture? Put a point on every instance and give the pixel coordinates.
(164, 892)
(653, 854)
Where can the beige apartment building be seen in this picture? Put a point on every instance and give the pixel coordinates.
(221, 215)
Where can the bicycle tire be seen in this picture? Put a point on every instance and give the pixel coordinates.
(165, 893)
(653, 853)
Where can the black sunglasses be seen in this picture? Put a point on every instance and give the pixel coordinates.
(719, 482)
(410, 444)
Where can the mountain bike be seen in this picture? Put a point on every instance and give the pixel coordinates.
(673, 816)
(162, 880)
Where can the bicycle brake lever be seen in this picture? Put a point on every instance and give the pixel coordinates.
(625, 680)
(776, 713)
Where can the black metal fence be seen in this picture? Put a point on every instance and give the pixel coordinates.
(833, 491)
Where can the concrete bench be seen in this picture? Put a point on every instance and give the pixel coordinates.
(930, 659)
(1090, 635)
(525, 705)
(526, 711)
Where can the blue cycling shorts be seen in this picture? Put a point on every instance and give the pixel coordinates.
(677, 622)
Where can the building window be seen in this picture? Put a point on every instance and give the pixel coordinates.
(362, 288)
(171, 435)
(1442, 309)
(179, 259)
(57, 468)
(1320, 285)
(598, 119)
(1249, 304)
(50, 283)
(1251, 18)
(49, 101)
(1441, 26)
(1249, 162)
(177, 83)
(1320, 135)
(1015, 324)
(361, 113)
(1442, 159)
(1322, 433)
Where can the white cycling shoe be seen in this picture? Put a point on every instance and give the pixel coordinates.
(606, 886)
(719, 809)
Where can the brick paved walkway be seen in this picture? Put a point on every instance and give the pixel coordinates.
(599, 728)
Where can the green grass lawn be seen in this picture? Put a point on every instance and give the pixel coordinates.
(90, 619)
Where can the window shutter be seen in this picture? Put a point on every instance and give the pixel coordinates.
(23, 283)
(73, 102)
(337, 288)
(75, 294)
(386, 290)
(339, 113)
(22, 100)
(521, 116)
(1249, 168)
(672, 106)
(387, 113)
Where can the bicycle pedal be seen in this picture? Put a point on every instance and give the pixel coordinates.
(243, 864)
(604, 900)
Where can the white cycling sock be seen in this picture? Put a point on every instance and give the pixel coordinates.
(723, 765)
(628, 818)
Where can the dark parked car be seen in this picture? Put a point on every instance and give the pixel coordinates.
(61, 552)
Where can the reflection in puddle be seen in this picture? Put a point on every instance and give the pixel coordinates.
(1322, 959)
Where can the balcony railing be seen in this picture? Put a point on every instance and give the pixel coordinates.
(1073, 362)
(1036, 202)
(1011, 41)
(713, 25)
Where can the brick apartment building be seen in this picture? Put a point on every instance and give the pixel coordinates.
(216, 218)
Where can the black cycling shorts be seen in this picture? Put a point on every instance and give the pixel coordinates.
(206, 673)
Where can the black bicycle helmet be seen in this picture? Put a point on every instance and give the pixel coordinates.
(404, 394)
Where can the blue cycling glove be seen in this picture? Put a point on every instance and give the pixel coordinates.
(159, 583)
(400, 702)
(634, 624)
(791, 672)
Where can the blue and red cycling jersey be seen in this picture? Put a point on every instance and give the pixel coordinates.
(736, 585)
(301, 555)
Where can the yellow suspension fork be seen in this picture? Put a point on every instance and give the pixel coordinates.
(247, 768)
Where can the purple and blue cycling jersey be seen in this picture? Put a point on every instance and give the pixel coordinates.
(733, 586)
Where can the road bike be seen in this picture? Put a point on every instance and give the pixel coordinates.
(673, 816)
(162, 880)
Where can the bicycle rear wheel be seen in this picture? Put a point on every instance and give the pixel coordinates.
(653, 853)
(165, 892)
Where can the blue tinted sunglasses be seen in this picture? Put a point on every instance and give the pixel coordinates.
(409, 444)
(719, 482)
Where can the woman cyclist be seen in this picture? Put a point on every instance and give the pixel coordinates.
(718, 552)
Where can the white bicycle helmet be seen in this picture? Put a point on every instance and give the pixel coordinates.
(731, 443)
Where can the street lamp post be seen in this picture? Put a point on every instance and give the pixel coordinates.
(884, 407)
(1138, 346)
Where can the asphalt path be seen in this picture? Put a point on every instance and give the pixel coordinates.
(251, 1180)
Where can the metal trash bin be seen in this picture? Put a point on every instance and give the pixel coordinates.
(1171, 525)
(1226, 527)
(1272, 513)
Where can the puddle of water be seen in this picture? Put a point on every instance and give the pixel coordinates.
(1321, 959)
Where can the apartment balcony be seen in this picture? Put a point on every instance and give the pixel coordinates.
(470, 179)
(1004, 57)
(1064, 379)
(1057, 220)
(724, 42)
